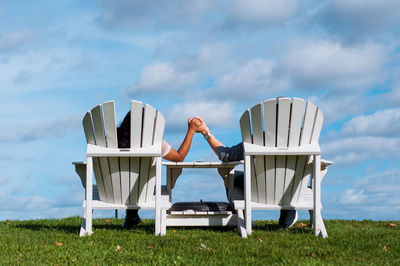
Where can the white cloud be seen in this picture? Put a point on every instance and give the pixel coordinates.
(260, 12)
(134, 14)
(44, 129)
(391, 98)
(161, 77)
(321, 64)
(183, 73)
(375, 191)
(336, 106)
(249, 81)
(351, 150)
(353, 196)
(14, 41)
(215, 114)
(381, 123)
(361, 18)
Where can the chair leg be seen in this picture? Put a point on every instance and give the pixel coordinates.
(82, 232)
(320, 226)
(248, 222)
(311, 218)
(163, 222)
(240, 223)
(158, 222)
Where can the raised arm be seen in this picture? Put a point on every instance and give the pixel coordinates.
(203, 129)
(180, 154)
(225, 154)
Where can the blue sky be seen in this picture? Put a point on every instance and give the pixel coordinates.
(59, 59)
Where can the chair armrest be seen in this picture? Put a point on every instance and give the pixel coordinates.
(80, 169)
(98, 151)
(253, 149)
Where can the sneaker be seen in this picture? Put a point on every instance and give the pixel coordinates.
(288, 218)
(131, 219)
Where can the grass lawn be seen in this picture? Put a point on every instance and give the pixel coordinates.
(57, 242)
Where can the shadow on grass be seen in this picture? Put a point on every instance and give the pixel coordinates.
(98, 224)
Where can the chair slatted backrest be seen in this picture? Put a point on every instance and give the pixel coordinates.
(124, 180)
(280, 122)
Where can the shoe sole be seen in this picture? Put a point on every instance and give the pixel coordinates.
(294, 221)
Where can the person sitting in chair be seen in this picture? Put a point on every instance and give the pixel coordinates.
(168, 153)
(236, 153)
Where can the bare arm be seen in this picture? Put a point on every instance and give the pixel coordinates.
(203, 129)
(180, 154)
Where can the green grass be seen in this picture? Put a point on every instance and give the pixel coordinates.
(349, 242)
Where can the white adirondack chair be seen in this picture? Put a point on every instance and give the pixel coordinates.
(280, 138)
(125, 178)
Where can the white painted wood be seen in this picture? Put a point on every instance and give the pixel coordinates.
(296, 117)
(297, 113)
(111, 142)
(115, 165)
(158, 195)
(283, 116)
(319, 119)
(159, 128)
(163, 222)
(270, 141)
(296, 149)
(88, 128)
(245, 127)
(136, 123)
(146, 182)
(136, 139)
(89, 196)
(258, 183)
(125, 184)
(240, 223)
(90, 139)
(298, 177)
(251, 149)
(247, 193)
(193, 220)
(98, 126)
(308, 124)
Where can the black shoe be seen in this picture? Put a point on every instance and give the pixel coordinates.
(288, 218)
(131, 219)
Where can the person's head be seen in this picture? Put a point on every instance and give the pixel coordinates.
(124, 132)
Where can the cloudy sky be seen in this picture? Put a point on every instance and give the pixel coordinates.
(59, 59)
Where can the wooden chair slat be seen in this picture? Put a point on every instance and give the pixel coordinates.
(282, 132)
(145, 165)
(111, 139)
(258, 138)
(159, 128)
(97, 117)
(90, 138)
(110, 124)
(319, 119)
(296, 117)
(134, 179)
(308, 123)
(270, 122)
(270, 141)
(136, 123)
(124, 172)
(283, 122)
(98, 126)
(245, 127)
(88, 128)
(297, 114)
(298, 178)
